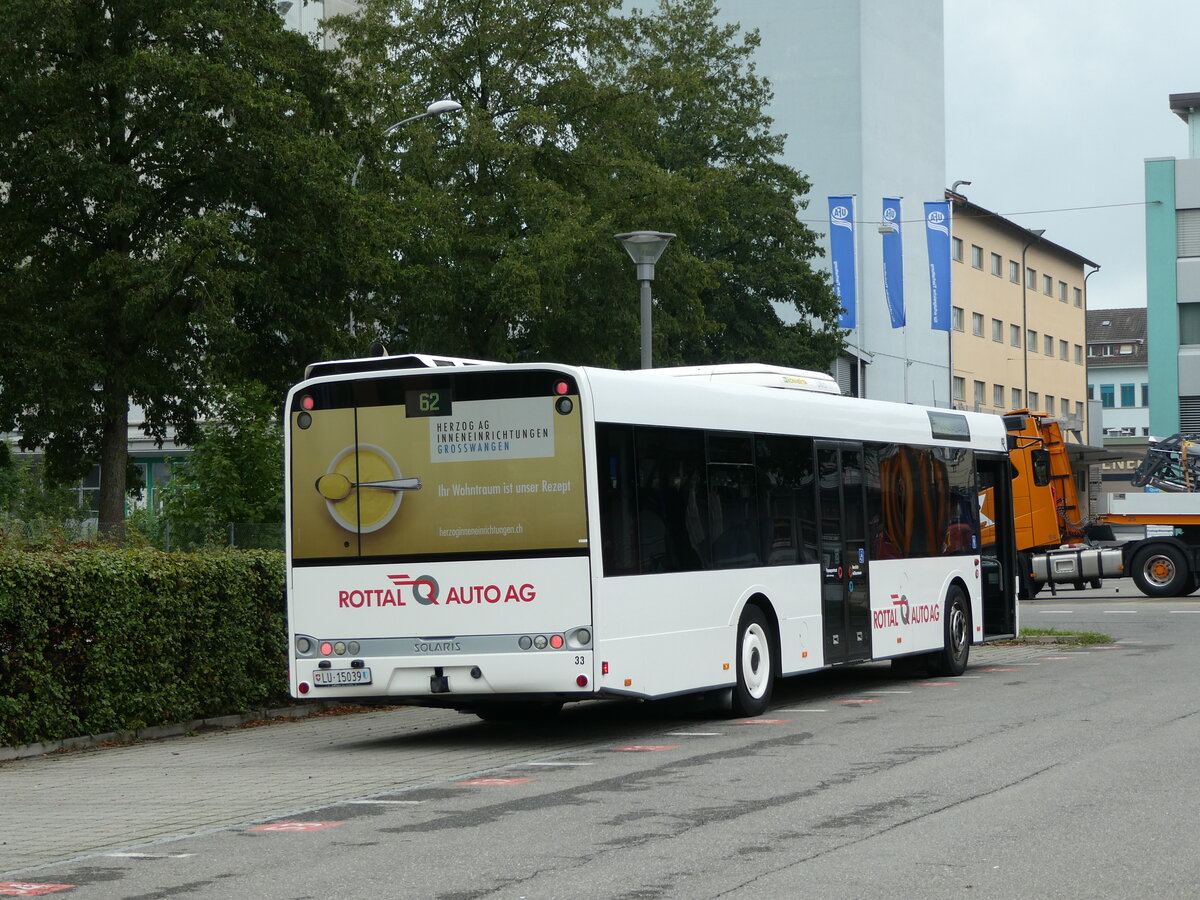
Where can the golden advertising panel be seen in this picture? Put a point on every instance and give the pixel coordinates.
(436, 476)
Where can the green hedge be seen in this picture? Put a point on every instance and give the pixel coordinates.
(95, 640)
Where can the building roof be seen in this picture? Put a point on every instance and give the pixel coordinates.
(1183, 104)
(1118, 326)
(963, 206)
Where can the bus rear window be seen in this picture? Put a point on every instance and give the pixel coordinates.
(458, 463)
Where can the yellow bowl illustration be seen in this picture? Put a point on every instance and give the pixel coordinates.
(364, 509)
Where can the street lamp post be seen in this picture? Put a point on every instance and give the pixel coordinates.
(436, 108)
(1035, 236)
(644, 248)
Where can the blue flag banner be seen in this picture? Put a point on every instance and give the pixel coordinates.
(937, 234)
(842, 256)
(893, 262)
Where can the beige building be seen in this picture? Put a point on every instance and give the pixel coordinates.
(1019, 325)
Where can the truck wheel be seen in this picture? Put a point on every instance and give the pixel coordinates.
(1161, 570)
(956, 628)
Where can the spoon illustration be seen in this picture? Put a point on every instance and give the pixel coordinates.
(336, 486)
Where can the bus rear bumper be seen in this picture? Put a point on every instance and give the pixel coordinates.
(443, 678)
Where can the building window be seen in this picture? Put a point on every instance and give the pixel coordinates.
(997, 331)
(1014, 271)
(1048, 345)
(1031, 279)
(1106, 396)
(1016, 398)
(1050, 404)
(976, 257)
(1187, 232)
(1031, 340)
(1063, 351)
(956, 318)
(998, 396)
(1145, 395)
(1033, 400)
(1014, 335)
(997, 265)
(1062, 291)
(1047, 285)
(1106, 350)
(959, 388)
(1127, 394)
(956, 248)
(1078, 355)
(1078, 297)
(1079, 409)
(1091, 392)
(977, 324)
(980, 390)
(1189, 323)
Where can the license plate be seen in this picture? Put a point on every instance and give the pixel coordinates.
(335, 677)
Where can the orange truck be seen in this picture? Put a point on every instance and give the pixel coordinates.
(1057, 544)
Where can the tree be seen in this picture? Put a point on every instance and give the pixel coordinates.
(175, 209)
(234, 472)
(579, 123)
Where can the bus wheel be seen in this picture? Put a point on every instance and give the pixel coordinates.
(755, 668)
(532, 712)
(956, 629)
(1161, 571)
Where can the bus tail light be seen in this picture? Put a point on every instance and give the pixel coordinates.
(581, 681)
(302, 687)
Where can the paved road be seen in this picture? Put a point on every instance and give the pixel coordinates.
(1044, 772)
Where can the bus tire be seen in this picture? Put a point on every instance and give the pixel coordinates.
(755, 665)
(1161, 570)
(951, 660)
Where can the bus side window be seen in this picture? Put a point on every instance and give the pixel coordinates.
(786, 499)
(617, 477)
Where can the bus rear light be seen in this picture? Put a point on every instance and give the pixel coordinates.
(303, 646)
(604, 668)
(561, 388)
(340, 648)
(579, 638)
(556, 641)
(525, 642)
(326, 648)
(581, 681)
(307, 402)
(540, 642)
(302, 687)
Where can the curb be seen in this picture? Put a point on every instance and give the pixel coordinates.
(157, 732)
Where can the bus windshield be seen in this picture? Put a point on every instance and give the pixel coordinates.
(437, 464)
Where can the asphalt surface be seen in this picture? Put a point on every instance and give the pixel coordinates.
(1044, 771)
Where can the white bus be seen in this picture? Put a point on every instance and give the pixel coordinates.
(504, 538)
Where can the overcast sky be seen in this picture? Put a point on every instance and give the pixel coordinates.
(1056, 104)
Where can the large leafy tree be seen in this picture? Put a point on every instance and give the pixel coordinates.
(580, 122)
(174, 209)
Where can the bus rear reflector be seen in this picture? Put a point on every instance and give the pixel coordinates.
(581, 681)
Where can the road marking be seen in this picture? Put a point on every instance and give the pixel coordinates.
(889, 692)
(1056, 612)
(1118, 612)
(386, 802)
(557, 764)
(695, 733)
(860, 700)
(496, 782)
(30, 888)
(805, 710)
(645, 748)
(1185, 611)
(295, 826)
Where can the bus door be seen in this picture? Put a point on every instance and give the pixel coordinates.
(845, 594)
